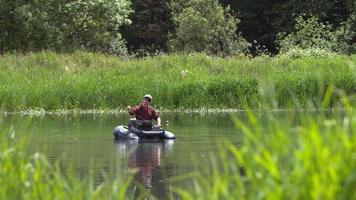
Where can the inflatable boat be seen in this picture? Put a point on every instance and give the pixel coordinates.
(141, 129)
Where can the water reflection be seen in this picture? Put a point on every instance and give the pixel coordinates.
(146, 156)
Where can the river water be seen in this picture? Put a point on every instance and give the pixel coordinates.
(85, 143)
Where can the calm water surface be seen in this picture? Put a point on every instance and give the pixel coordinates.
(85, 142)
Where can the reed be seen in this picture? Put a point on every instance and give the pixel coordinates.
(305, 157)
(81, 80)
(25, 176)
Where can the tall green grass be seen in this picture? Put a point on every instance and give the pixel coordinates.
(25, 176)
(314, 158)
(81, 80)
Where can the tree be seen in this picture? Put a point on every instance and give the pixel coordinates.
(262, 20)
(12, 29)
(63, 25)
(350, 31)
(151, 22)
(205, 26)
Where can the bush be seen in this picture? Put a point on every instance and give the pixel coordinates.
(313, 38)
(309, 33)
(205, 26)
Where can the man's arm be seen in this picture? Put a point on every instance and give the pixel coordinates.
(131, 110)
(158, 122)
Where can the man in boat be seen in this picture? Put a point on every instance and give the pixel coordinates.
(144, 112)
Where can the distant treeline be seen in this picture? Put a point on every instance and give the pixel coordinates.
(146, 27)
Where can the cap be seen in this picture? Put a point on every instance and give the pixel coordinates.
(148, 96)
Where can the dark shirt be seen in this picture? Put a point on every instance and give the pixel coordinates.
(144, 113)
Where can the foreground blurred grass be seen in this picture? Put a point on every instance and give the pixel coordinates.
(315, 159)
(301, 157)
(81, 80)
(25, 176)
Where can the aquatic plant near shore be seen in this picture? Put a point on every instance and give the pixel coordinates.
(81, 80)
(25, 176)
(313, 159)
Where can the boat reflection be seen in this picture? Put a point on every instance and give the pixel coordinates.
(145, 156)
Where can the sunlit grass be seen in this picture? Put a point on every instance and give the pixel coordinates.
(51, 81)
(312, 159)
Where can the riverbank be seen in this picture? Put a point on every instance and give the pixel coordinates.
(86, 81)
(202, 111)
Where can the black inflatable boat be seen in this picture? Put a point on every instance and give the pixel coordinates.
(138, 129)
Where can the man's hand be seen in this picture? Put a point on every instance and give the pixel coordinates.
(129, 109)
(157, 127)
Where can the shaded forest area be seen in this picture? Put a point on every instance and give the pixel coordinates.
(147, 27)
(260, 20)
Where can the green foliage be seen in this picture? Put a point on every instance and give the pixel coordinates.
(98, 25)
(297, 52)
(63, 25)
(347, 34)
(148, 32)
(302, 157)
(25, 176)
(346, 37)
(233, 92)
(262, 21)
(309, 33)
(313, 38)
(94, 81)
(205, 26)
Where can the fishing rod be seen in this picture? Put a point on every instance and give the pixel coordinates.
(136, 115)
(129, 107)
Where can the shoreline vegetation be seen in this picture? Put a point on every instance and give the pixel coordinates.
(275, 160)
(314, 159)
(301, 58)
(91, 81)
(201, 111)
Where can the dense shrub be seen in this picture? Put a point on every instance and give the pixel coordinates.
(205, 26)
(313, 38)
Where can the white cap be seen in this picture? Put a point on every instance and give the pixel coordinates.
(148, 96)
